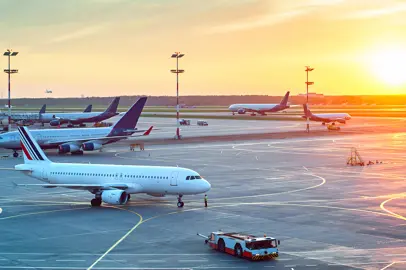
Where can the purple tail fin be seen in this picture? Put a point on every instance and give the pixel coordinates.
(130, 118)
(113, 106)
(306, 110)
(285, 99)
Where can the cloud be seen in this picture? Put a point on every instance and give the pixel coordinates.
(377, 12)
(276, 13)
(77, 34)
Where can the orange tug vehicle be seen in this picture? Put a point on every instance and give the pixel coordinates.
(243, 245)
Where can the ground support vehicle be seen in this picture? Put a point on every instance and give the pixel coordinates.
(243, 245)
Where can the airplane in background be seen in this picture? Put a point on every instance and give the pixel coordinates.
(326, 117)
(22, 118)
(110, 184)
(75, 140)
(57, 119)
(261, 109)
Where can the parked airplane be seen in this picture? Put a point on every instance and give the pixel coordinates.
(260, 108)
(22, 118)
(56, 119)
(110, 184)
(326, 117)
(75, 140)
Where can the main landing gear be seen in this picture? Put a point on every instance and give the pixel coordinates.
(97, 201)
(180, 202)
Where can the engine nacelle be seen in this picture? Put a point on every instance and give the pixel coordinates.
(156, 194)
(66, 148)
(241, 111)
(54, 123)
(342, 121)
(90, 146)
(115, 196)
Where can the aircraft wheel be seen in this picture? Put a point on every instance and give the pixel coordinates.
(96, 202)
(79, 153)
(128, 197)
(180, 204)
(15, 154)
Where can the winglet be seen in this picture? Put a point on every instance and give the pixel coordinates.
(146, 133)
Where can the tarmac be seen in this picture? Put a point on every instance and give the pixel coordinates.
(327, 215)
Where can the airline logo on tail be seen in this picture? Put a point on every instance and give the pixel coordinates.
(31, 150)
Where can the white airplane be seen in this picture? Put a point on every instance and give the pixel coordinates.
(326, 117)
(22, 118)
(75, 140)
(110, 184)
(260, 108)
(80, 118)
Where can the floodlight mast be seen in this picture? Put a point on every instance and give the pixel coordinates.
(177, 55)
(9, 71)
(308, 69)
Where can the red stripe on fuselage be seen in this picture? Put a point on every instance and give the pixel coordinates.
(25, 151)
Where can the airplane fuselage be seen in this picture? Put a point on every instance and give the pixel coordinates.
(139, 179)
(44, 137)
(329, 117)
(260, 108)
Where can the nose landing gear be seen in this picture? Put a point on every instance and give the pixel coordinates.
(180, 202)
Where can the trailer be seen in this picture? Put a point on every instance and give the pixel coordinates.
(243, 245)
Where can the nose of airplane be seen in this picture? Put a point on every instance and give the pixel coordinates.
(206, 186)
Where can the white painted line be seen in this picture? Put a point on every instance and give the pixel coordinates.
(70, 260)
(113, 260)
(30, 260)
(294, 265)
(193, 260)
(152, 261)
(311, 265)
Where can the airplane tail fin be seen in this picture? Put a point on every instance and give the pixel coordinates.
(89, 108)
(306, 110)
(130, 118)
(44, 107)
(285, 99)
(32, 152)
(113, 106)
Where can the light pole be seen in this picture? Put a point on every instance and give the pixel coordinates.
(177, 55)
(9, 71)
(308, 69)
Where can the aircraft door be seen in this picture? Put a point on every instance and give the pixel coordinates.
(44, 175)
(174, 178)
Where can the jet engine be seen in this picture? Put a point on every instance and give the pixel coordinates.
(115, 196)
(241, 111)
(54, 122)
(90, 146)
(342, 121)
(66, 148)
(156, 194)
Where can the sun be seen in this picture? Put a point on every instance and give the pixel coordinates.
(390, 66)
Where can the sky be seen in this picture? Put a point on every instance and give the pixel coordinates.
(231, 47)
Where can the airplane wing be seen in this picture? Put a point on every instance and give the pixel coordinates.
(106, 138)
(80, 186)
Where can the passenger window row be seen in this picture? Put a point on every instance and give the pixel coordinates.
(110, 175)
(193, 177)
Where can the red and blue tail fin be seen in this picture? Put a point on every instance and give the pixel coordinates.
(32, 152)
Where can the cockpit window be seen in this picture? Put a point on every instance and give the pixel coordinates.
(198, 177)
(188, 178)
(1, 138)
(192, 178)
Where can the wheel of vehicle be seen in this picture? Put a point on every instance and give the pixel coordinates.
(221, 245)
(180, 204)
(238, 251)
(15, 154)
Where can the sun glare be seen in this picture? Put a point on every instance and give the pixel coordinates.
(390, 66)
